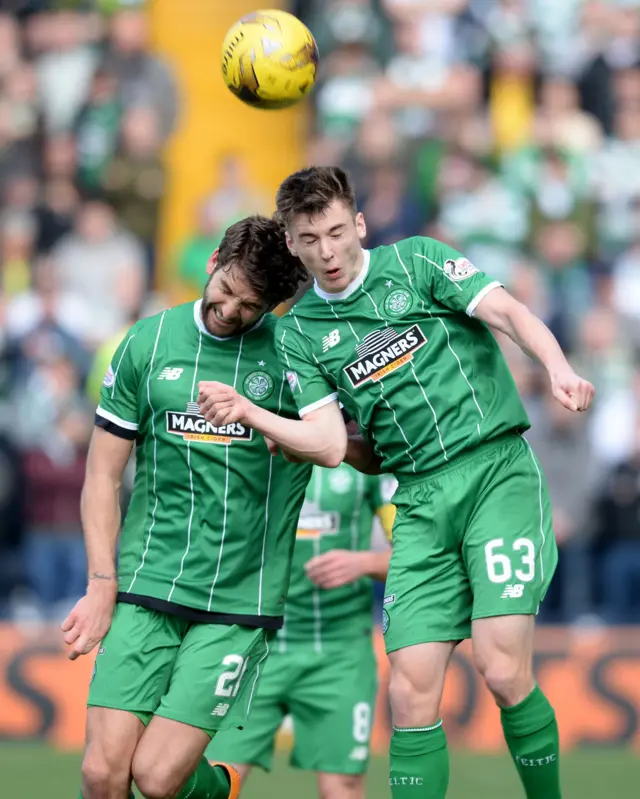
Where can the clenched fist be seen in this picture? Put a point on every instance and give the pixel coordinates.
(221, 404)
(572, 391)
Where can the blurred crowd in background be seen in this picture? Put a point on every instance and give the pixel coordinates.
(85, 111)
(507, 128)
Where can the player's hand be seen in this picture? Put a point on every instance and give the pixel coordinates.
(572, 391)
(90, 619)
(276, 450)
(221, 404)
(336, 568)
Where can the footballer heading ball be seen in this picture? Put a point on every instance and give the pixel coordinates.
(269, 59)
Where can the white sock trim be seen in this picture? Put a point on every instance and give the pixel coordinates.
(418, 729)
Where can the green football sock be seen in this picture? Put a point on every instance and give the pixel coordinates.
(531, 733)
(419, 763)
(206, 782)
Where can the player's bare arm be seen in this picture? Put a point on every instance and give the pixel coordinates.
(320, 437)
(503, 312)
(90, 619)
(361, 455)
(342, 566)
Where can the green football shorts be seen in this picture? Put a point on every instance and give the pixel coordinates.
(330, 696)
(152, 663)
(474, 540)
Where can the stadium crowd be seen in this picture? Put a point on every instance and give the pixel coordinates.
(507, 128)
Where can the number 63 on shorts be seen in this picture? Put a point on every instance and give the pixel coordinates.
(473, 541)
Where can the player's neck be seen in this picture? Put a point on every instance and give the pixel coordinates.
(360, 273)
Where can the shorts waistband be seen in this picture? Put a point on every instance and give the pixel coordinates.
(480, 451)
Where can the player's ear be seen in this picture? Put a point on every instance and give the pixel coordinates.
(289, 240)
(213, 261)
(361, 226)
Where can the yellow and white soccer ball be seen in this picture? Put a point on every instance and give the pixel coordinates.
(269, 59)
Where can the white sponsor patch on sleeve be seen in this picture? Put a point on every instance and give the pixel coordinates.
(292, 378)
(109, 378)
(460, 269)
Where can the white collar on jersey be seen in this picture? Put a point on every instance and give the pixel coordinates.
(342, 295)
(197, 318)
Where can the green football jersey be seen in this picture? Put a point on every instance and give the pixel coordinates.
(401, 350)
(338, 512)
(212, 519)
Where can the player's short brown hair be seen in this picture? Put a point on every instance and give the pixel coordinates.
(257, 245)
(312, 190)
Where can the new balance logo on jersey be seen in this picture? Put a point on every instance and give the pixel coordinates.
(170, 373)
(382, 352)
(192, 426)
(514, 591)
(331, 340)
(220, 709)
(359, 753)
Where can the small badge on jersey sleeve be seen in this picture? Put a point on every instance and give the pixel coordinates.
(109, 378)
(460, 269)
(293, 380)
(397, 302)
(258, 385)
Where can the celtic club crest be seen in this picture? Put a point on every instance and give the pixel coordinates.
(385, 621)
(398, 302)
(258, 386)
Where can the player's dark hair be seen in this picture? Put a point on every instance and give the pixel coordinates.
(312, 190)
(257, 245)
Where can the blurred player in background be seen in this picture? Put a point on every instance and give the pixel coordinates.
(185, 623)
(322, 668)
(400, 336)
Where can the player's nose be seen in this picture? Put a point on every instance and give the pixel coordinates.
(326, 251)
(228, 309)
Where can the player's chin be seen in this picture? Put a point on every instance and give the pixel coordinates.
(220, 329)
(335, 282)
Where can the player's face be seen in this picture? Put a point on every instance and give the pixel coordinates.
(229, 304)
(329, 245)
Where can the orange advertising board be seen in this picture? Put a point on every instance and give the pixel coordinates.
(592, 679)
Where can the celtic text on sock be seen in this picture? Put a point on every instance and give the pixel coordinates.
(406, 781)
(538, 761)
